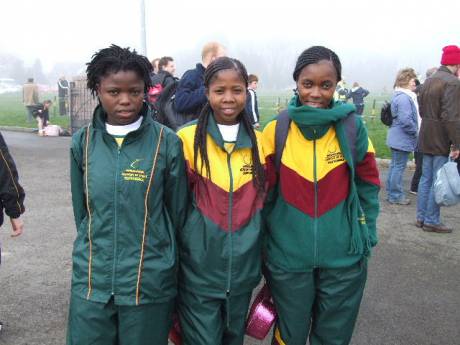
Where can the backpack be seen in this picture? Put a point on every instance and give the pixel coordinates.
(385, 114)
(282, 128)
(165, 109)
(153, 93)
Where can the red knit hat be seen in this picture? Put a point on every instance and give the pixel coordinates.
(450, 55)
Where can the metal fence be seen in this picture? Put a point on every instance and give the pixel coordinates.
(82, 104)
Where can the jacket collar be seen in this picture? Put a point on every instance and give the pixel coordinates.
(445, 69)
(200, 67)
(100, 116)
(242, 139)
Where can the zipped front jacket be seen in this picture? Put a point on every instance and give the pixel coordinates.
(439, 101)
(220, 244)
(308, 225)
(128, 202)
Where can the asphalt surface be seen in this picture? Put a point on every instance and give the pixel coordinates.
(412, 295)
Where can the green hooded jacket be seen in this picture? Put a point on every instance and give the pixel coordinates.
(126, 216)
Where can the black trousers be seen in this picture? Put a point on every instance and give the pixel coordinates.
(418, 171)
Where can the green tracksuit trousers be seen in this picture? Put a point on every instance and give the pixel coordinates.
(321, 304)
(212, 321)
(109, 324)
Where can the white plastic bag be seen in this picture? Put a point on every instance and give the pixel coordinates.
(447, 185)
(52, 130)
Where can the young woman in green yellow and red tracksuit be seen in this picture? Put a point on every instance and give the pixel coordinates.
(129, 194)
(322, 210)
(220, 244)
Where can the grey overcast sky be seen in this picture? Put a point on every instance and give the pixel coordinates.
(72, 30)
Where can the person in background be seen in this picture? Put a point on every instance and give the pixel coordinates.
(341, 91)
(161, 80)
(155, 66)
(418, 156)
(252, 107)
(63, 93)
(402, 135)
(190, 94)
(439, 135)
(357, 94)
(41, 113)
(321, 211)
(30, 97)
(220, 245)
(11, 194)
(165, 75)
(129, 196)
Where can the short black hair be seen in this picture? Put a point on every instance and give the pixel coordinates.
(113, 60)
(314, 55)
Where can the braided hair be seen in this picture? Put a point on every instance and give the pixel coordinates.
(115, 59)
(314, 55)
(200, 144)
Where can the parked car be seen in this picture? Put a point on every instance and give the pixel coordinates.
(9, 85)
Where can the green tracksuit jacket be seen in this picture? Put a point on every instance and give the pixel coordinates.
(220, 244)
(126, 214)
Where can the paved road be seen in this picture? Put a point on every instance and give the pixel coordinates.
(412, 296)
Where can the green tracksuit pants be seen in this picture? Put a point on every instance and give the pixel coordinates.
(109, 324)
(321, 304)
(212, 321)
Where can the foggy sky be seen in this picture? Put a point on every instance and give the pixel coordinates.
(373, 38)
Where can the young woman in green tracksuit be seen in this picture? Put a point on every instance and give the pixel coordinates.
(129, 195)
(322, 209)
(220, 244)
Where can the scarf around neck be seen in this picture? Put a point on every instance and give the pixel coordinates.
(318, 120)
(304, 115)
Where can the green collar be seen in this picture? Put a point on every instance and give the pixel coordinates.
(242, 139)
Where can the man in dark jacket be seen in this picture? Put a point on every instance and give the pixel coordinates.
(63, 94)
(165, 75)
(357, 94)
(190, 94)
(11, 193)
(162, 79)
(439, 134)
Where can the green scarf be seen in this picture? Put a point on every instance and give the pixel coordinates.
(314, 123)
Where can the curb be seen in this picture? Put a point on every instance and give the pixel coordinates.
(385, 163)
(18, 129)
(381, 162)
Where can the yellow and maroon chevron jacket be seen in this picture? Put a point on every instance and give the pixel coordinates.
(307, 221)
(220, 245)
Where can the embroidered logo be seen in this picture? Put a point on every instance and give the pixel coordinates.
(134, 175)
(247, 167)
(135, 163)
(334, 155)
